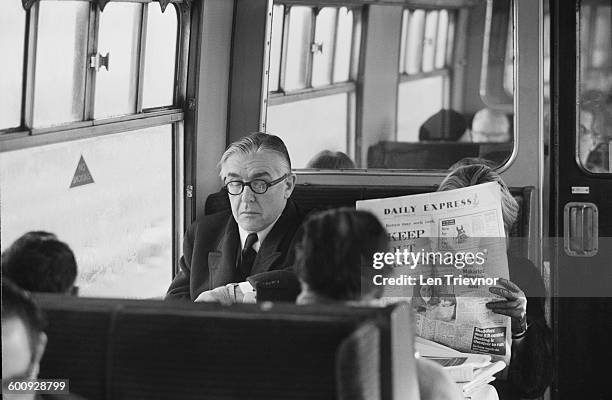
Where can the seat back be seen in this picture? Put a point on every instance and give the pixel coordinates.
(321, 197)
(118, 349)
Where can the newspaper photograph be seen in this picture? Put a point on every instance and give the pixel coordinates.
(446, 249)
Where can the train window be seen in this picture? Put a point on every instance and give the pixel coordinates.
(422, 107)
(426, 39)
(413, 105)
(12, 36)
(311, 88)
(594, 131)
(119, 226)
(71, 156)
(119, 37)
(60, 63)
(160, 56)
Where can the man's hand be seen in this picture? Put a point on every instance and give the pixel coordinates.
(515, 305)
(229, 294)
(221, 295)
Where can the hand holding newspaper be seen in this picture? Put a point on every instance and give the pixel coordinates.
(446, 250)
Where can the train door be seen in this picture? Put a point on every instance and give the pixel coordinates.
(581, 213)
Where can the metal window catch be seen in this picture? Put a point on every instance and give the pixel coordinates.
(98, 61)
(316, 47)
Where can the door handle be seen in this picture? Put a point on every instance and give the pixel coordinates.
(580, 230)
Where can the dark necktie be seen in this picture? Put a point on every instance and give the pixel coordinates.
(247, 257)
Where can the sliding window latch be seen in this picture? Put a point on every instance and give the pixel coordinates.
(580, 230)
(98, 61)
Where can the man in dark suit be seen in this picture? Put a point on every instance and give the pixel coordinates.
(257, 236)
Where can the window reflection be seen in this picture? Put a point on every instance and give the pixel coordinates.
(344, 43)
(594, 125)
(298, 47)
(276, 47)
(324, 47)
(310, 126)
(440, 57)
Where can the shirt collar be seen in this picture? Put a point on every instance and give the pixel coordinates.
(261, 235)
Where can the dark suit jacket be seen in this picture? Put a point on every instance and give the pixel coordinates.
(212, 244)
(531, 366)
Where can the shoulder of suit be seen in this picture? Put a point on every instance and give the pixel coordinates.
(219, 218)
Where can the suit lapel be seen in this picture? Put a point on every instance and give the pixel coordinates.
(222, 262)
(268, 253)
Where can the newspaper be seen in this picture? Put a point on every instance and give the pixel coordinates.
(446, 250)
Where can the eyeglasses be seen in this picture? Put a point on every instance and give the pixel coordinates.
(258, 186)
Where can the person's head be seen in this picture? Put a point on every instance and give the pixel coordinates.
(39, 262)
(446, 125)
(334, 257)
(595, 123)
(476, 174)
(23, 337)
(262, 160)
(331, 160)
(490, 125)
(472, 161)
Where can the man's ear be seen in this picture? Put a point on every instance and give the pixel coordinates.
(290, 184)
(39, 351)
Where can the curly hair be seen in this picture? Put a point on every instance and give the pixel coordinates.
(335, 250)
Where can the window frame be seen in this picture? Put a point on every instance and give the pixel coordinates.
(282, 96)
(350, 87)
(446, 72)
(27, 136)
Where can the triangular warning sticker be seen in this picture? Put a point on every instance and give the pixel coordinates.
(82, 176)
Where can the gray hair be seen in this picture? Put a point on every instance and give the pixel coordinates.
(476, 174)
(256, 142)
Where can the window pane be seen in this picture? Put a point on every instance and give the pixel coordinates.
(594, 131)
(413, 108)
(429, 43)
(298, 47)
(509, 63)
(403, 43)
(12, 34)
(450, 43)
(310, 126)
(441, 40)
(415, 41)
(61, 62)
(160, 57)
(119, 36)
(344, 40)
(119, 226)
(324, 37)
(602, 40)
(276, 47)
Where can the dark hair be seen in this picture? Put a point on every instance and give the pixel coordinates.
(39, 262)
(331, 160)
(16, 303)
(255, 142)
(475, 174)
(335, 246)
(448, 125)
